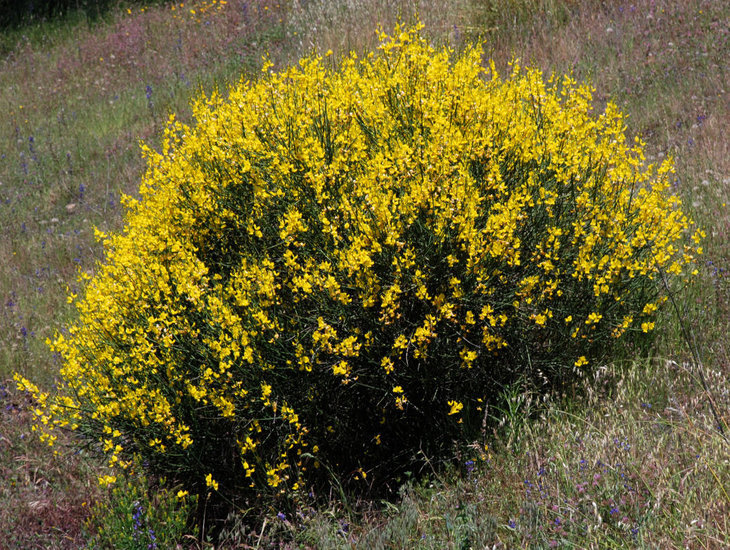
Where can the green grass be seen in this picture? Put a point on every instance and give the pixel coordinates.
(646, 429)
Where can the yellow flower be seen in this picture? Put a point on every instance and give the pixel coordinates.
(341, 368)
(581, 361)
(456, 407)
(593, 318)
(210, 482)
(107, 480)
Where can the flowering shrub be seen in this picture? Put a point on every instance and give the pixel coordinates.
(334, 270)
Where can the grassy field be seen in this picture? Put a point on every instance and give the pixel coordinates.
(643, 460)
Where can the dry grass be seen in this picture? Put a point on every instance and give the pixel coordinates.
(50, 495)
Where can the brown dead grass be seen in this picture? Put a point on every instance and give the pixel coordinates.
(50, 495)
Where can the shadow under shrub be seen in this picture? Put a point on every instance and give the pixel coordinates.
(332, 274)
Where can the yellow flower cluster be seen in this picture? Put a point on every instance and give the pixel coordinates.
(341, 260)
(193, 10)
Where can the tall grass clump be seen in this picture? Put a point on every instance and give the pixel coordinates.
(336, 270)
